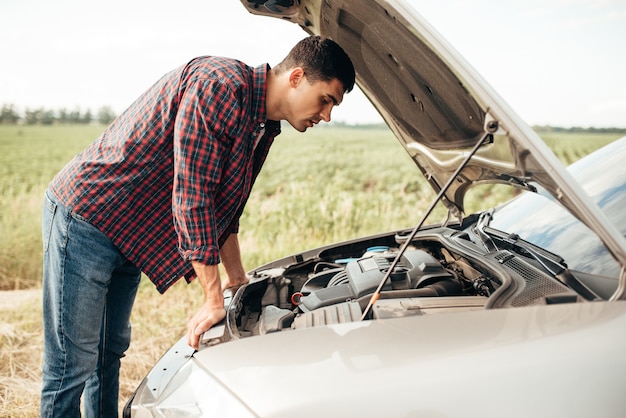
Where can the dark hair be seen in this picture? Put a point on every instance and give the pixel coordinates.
(321, 59)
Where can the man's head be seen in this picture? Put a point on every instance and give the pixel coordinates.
(322, 60)
(316, 73)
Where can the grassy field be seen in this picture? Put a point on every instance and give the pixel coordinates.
(327, 185)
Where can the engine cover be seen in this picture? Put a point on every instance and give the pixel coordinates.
(361, 277)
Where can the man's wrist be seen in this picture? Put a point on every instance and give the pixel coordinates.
(209, 278)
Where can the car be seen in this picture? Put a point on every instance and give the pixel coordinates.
(518, 310)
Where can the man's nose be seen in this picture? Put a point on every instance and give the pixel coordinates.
(325, 114)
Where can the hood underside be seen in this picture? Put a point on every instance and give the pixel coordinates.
(438, 107)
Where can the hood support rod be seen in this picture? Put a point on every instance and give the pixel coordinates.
(484, 139)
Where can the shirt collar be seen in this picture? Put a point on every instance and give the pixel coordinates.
(260, 92)
(260, 96)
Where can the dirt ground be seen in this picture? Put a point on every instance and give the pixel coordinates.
(20, 352)
(12, 299)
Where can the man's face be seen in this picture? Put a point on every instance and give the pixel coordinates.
(310, 103)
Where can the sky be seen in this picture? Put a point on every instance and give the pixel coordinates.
(556, 62)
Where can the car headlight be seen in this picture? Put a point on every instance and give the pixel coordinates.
(179, 387)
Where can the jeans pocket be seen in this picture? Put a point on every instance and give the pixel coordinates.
(77, 217)
(47, 218)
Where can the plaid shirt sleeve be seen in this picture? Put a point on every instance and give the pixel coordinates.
(206, 120)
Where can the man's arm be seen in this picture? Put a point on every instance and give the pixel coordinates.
(212, 310)
(231, 259)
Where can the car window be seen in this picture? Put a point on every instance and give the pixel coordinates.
(537, 218)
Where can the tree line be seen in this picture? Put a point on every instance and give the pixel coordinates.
(545, 128)
(105, 115)
(42, 116)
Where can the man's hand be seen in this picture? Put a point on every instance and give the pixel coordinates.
(202, 321)
(212, 310)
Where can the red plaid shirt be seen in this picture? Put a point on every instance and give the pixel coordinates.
(168, 180)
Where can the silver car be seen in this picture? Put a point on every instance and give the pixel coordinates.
(514, 311)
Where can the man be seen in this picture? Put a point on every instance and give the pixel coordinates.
(161, 192)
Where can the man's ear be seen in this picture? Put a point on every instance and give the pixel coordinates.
(296, 75)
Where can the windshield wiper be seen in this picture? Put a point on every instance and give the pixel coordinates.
(554, 264)
(483, 221)
(551, 262)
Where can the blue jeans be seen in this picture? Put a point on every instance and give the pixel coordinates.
(89, 289)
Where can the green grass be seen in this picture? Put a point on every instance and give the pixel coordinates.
(29, 157)
(326, 185)
(570, 147)
(329, 185)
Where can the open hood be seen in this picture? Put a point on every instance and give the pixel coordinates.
(438, 107)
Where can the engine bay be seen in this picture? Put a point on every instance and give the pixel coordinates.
(440, 271)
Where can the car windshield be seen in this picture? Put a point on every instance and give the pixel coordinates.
(539, 219)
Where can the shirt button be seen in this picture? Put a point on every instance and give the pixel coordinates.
(262, 125)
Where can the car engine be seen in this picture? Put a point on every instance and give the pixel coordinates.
(445, 273)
